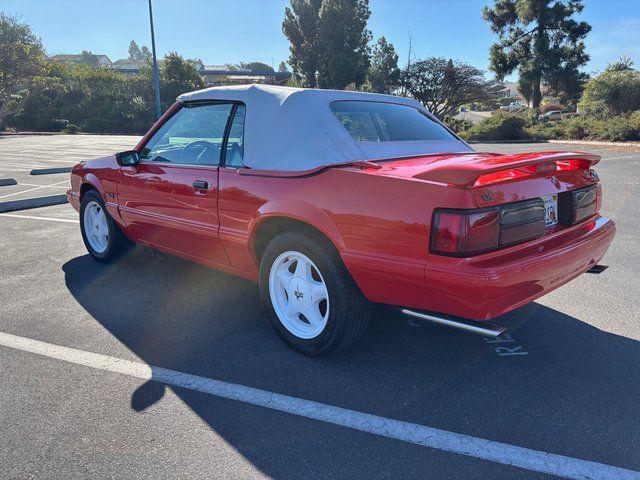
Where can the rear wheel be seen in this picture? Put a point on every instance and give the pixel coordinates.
(310, 298)
(100, 233)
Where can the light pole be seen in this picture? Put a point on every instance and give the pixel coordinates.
(156, 82)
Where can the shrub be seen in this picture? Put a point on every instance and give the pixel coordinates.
(611, 93)
(457, 125)
(499, 126)
(616, 129)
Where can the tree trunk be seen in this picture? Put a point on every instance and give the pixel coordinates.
(536, 96)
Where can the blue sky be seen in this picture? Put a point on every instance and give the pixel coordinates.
(230, 31)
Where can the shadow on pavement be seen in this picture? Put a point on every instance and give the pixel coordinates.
(574, 392)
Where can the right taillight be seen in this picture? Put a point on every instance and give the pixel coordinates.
(578, 205)
(467, 232)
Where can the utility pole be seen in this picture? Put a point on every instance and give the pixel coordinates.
(156, 81)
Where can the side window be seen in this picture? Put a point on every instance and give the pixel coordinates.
(193, 136)
(235, 144)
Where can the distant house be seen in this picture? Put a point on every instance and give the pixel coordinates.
(126, 65)
(508, 90)
(211, 74)
(230, 75)
(103, 60)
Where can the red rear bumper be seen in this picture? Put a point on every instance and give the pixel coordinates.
(490, 285)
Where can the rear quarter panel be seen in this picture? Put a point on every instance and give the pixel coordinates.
(379, 224)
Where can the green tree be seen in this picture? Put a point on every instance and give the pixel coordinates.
(138, 54)
(255, 66)
(344, 43)
(329, 41)
(89, 58)
(540, 39)
(623, 64)
(383, 74)
(282, 67)
(300, 26)
(614, 92)
(442, 86)
(94, 99)
(178, 76)
(21, 60)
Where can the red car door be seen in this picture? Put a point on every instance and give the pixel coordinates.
(170, 199)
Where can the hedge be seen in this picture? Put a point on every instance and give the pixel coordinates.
(511, 126)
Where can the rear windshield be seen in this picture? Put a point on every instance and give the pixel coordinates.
(387, 122)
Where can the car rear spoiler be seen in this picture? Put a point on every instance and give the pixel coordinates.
(467, 170)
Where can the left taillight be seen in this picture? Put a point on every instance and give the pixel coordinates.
(457, 232)
(467, 232)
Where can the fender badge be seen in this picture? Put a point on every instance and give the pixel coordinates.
(487, 197)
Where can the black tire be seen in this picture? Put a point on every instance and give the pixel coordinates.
(349, 311)
(116, 243)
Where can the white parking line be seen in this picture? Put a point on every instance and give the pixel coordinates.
(66, 187)
(408, 432)
(33, 189)
(32, 217)
(637, 155)
(31, 166)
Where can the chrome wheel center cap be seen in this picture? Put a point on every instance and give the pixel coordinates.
(299, 292)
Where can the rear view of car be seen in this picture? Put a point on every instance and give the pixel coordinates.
(536, 226)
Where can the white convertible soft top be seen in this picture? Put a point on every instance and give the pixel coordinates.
(294, 128)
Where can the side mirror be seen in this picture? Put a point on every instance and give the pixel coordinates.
(130, 158)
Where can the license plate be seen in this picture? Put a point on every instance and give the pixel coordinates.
(551, 210)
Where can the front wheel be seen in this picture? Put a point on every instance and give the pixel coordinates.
(310, 298)
(101, 235)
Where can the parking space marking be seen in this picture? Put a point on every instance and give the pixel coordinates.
(37, 185)
(31, 166)
(4, 168)
(503, 350)
(637, 155)
(33, 189)
(408, 432)
(33, 217)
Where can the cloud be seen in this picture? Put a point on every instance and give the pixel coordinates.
(611, 39)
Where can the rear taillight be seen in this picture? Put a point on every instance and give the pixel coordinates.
(578, 205)
(463, 232)
(466, 232)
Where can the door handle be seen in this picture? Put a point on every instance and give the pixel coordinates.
(201, 185)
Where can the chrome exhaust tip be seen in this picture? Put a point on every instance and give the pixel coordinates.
(480, 328)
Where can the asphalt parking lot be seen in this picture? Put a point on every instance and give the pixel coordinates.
(105, 371)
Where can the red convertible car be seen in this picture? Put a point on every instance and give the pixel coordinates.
(334, 200)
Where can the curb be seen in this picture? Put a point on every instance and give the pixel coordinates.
(26, 134)
(5, 182)
(531, 140)
(575, 142)
(36, 202)
(598, 143)
(48, 171)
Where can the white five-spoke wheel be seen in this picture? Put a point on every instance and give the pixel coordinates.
(309, 296)
(299, 294)
(96, 228)
(102, 236)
